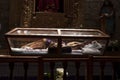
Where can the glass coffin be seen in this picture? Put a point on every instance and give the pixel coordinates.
(41, 41)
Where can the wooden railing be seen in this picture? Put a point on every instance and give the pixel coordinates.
(64, 59)
(13, 59)
(105, 59)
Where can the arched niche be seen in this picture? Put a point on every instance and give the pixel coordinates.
(71, 15)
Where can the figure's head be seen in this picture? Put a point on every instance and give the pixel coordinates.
(107, 3)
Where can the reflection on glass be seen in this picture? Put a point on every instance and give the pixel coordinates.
(80, 33)
(49, 5)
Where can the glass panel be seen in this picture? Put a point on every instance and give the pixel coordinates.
(83, 46)
(31, 45)
(34, 32)
(80, 33)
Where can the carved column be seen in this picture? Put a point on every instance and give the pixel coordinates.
(27, 13)
(78, 13)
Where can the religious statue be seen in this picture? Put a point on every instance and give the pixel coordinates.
(107, 18)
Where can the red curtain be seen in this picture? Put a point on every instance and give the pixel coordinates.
(48, 5)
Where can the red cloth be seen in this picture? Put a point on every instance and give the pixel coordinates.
(46, 5)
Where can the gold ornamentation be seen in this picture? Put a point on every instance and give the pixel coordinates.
(27, 12)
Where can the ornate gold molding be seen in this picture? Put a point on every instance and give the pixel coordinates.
(27, 12)
(76, 13)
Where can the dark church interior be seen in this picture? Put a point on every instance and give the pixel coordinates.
(59, 40)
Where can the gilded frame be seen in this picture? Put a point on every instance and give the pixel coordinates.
(70, 11)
